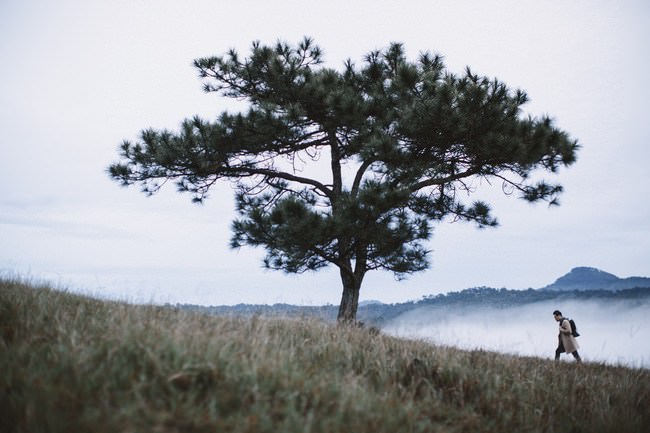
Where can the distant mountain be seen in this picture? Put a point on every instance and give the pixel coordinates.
(580, 283)
(585, 278)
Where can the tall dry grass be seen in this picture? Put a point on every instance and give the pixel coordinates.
(75, 364)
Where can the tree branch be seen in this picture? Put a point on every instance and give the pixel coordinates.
(287, 176)
(443, 180)
(359, 176)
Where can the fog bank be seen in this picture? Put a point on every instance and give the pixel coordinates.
(614, 332)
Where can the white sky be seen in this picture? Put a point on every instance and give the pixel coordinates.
(78, 77)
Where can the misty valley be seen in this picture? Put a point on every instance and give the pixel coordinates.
(611, 331)
(610, 312)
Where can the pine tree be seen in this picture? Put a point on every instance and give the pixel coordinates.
(350, 168)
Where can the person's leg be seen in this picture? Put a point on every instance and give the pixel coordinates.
(560, 349)
(576, 355)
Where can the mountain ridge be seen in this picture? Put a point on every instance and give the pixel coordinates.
(589, 278)
(374, 313)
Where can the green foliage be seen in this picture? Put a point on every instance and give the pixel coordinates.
(71, 363)
(415, 138)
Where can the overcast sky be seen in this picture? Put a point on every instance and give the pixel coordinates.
(78, 77)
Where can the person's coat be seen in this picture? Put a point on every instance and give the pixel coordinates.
(568, 340)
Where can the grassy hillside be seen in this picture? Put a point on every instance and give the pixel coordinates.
(74, 364)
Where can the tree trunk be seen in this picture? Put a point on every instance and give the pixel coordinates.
(349, 298)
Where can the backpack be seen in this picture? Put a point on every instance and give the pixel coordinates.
(574, 329)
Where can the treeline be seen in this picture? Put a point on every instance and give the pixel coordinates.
(376, 314)
(494, 298)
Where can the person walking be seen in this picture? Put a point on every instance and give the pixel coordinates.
(566, 341)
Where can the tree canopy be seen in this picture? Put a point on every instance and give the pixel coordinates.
(351, 167)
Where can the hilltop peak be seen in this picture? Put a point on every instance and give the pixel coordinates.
(582, 272)
(588, 278)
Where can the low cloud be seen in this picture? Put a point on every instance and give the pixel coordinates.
(614, 332)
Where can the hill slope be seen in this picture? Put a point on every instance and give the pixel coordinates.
(71, 363)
